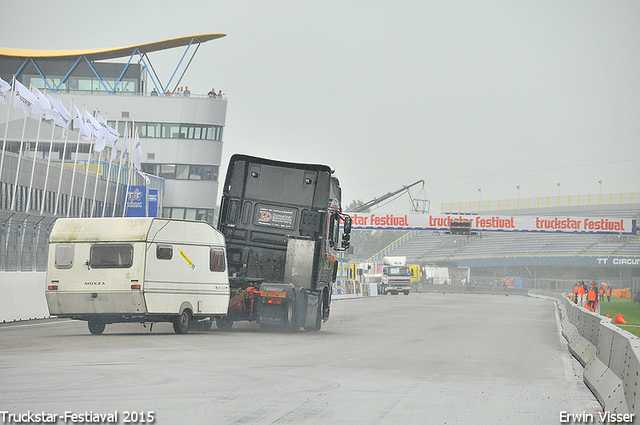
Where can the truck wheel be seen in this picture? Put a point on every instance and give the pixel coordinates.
(406, 292)
(290, 322)
(224, 323)
(181, 323)
(96, 326)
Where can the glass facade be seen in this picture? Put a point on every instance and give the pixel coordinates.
(182, 171)
(203, 214)
(173, 131)
(83, 84)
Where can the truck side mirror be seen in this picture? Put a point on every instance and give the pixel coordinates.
(347, 225)
(346, 235)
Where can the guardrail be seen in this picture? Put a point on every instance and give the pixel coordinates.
(610, 356)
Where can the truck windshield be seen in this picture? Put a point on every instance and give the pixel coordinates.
(105, 256)
(399, 271)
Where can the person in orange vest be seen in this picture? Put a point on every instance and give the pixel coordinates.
(592, 297)
(608, 293)
(575, 293)
(601, 293)
(582, 290)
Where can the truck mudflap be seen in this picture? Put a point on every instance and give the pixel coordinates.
(283, 306)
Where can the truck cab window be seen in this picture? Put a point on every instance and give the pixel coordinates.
(105, 256)
(64, 256)
(216, 262)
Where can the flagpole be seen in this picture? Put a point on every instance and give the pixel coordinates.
(86, 176)
(95, 186)
(46, 178)
(130, 166)
(33, 165)
(15, 185)
(114, 145)
(126, 140)
(6, 126)
(75, 166)
(64, 154)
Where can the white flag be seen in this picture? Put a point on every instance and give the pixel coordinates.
(114, 150)
(111, 134)
(4, 89)
(125, 149)
(24, 99)
(136, 159)
(97, 130)
(62, 117)
(78, 123)
(145, 176)
(42, 106)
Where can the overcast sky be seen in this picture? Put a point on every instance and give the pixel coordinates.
(465, 95)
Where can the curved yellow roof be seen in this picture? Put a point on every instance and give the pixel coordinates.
(102, 54)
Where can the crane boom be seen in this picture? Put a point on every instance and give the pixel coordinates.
(376, 201)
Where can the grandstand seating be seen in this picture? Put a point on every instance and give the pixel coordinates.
(440, 246)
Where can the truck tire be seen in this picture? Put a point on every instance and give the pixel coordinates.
(290, 321)
(406, 292)
(224, 323)
(96, 326)
(181, 323)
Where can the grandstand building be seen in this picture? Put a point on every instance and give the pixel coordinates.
(552, 261)
(180, 139)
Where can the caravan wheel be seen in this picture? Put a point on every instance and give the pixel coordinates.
(96, 326)
(181, 323)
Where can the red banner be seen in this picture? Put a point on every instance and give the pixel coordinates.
(479, 223)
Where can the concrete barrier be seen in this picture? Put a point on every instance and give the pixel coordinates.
(610, 356)
(22, 296)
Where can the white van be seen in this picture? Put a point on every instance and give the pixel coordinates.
(110, 270)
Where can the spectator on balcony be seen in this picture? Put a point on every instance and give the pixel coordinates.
(186, 91)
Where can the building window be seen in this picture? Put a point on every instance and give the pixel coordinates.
(173, 131)
(182, 171)
(199, 214)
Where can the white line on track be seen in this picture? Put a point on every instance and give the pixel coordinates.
(10, 326)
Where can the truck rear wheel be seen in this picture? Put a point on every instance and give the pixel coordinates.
(96, 326)
(224, 323)
(290, 322)
(181, 323)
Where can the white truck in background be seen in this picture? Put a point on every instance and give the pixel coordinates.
(396, 276)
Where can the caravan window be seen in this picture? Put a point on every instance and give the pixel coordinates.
(64, 256)
(164, 252)
(217, 263)
(104, 256)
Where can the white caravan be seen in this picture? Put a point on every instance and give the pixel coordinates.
(110, 270)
